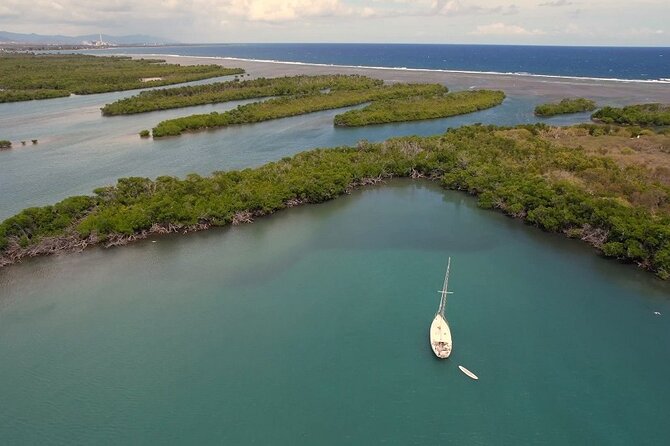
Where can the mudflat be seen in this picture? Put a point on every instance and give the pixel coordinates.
(544, 87)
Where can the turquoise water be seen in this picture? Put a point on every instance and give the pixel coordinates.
(80, 150)
(310, 327)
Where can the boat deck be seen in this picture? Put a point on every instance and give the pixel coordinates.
(440, 337)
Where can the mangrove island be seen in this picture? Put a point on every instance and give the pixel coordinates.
(566, 180)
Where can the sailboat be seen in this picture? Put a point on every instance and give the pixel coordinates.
(440, 334)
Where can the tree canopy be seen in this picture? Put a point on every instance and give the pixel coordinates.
(565, 106)
(30, 76)
(641, 114)
(533, 172)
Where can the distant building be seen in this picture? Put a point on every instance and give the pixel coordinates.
(100, 42)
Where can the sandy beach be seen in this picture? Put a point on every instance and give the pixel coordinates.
(544, 87)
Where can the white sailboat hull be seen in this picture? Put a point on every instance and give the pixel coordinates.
(440, 337)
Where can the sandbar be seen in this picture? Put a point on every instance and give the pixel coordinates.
(613, 92)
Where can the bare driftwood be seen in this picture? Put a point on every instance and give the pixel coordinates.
(242, 217)
(46, 246)
(293, 202)
(369, 181)
(415, 174)
(594, 236)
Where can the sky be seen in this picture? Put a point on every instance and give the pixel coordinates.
(556, 22)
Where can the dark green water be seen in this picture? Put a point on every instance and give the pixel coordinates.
(310, 327)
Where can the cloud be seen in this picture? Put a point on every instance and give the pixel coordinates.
(287, 10)
(7, 12)
(456, 7)
(347, 20)
(645, 32)
(501, 29)
(448, 7)
(556, 3)
(114, 12)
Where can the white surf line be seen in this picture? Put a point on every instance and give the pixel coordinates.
(663, 81)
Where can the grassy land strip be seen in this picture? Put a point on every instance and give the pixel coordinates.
(292, 106)
(527, 172)
(642, 114)
(27, 76)
(219, 92)
(421, 107)
(565, 106)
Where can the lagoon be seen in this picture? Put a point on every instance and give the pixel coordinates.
(80, 150)
(311, 326)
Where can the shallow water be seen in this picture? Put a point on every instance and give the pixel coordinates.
(310, 327)
(80, 150)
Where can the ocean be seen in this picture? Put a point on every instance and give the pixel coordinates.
(625, 63)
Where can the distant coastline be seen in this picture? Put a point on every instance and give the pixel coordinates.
(571, 62)
(546, 87)
(441, 70)
(409, 69)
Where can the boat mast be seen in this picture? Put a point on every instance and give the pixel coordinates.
(444, 292)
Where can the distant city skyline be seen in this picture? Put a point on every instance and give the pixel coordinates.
(540, 22)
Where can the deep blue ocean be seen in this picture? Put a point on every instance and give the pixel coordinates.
(649, 63)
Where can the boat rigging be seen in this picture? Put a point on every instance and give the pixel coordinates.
(440, 334)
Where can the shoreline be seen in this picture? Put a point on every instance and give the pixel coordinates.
(128, 211)
(618, 91)
(436, 70)
(71, 243)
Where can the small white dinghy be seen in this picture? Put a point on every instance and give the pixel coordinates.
(440, 334)
(468, 372)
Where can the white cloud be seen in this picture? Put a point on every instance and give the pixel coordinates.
(645, 32)
(110, 11)
(501, 29)
(286, 10)
(447, 7)
(457, 7)
(556, 3)
(439, 21)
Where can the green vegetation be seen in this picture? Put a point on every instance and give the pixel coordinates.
(642, 114)
(28, 76)
(4, 144)
(28, 95)
(33, 224)
(234, 91)
(145, 134)
(565, 106)
(554, 178)
(305, 94)
(416, 108)
(293, 105)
